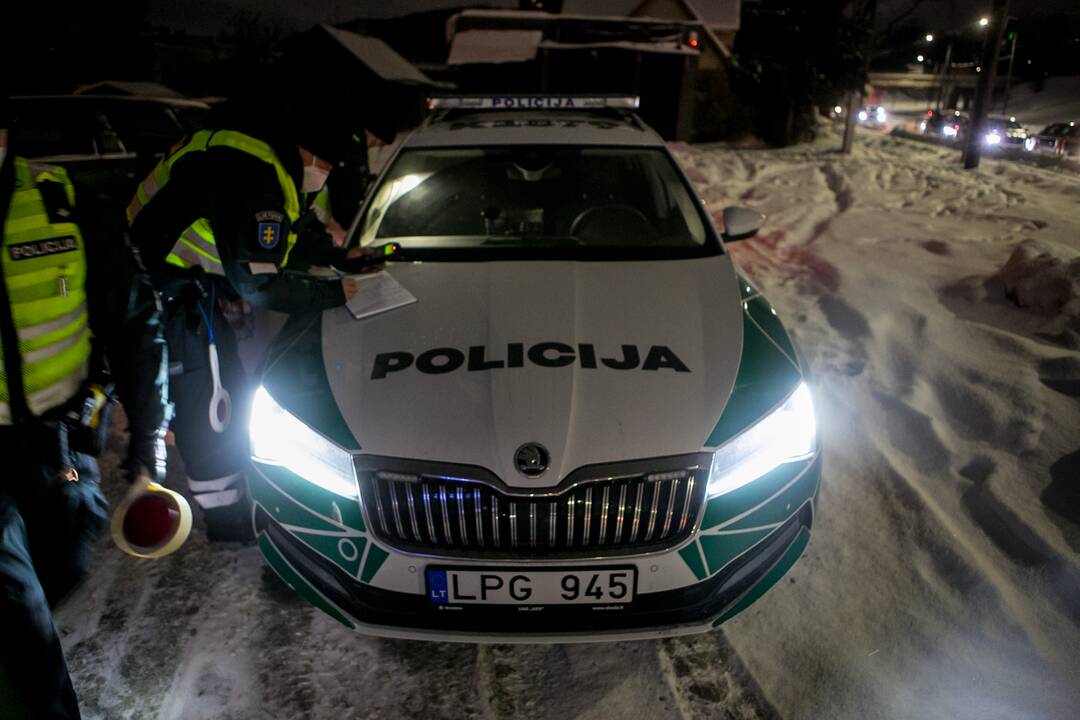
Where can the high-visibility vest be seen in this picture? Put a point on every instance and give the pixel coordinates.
(44, 266)
(196, 245)
(321, 205)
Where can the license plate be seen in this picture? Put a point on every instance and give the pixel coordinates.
(531, 587)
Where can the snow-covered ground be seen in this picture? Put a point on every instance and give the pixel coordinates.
(943, 578)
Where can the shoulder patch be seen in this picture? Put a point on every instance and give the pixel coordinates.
(269, 216)
(269, 234)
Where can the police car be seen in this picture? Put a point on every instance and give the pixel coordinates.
(587, 426)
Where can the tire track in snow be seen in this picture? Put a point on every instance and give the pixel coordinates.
(583, 682)
(708, 680)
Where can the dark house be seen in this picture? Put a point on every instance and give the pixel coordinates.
(674, 54)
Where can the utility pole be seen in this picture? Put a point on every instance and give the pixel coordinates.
(944, 77)
(985, 90)
(855, 97)
(1008, 76)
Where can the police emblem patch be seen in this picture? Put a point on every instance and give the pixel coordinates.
(269, 234)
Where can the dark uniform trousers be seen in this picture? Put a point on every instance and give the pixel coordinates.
(48, 531)
(215, 463)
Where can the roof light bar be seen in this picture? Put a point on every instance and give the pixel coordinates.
(533, 102)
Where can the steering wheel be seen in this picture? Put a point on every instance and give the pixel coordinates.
(612, 225)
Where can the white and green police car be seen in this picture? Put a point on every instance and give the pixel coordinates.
(589, 426)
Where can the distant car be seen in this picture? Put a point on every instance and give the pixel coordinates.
(1056, 139)
(873, 116)
(1003, 132)
(108, 143)
(946, 124)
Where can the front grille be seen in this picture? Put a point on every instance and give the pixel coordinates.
(451, 515)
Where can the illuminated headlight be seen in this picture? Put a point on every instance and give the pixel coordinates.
(993, 139)
(881, 114)
(949, 131)
(280, 438)
(787, 434)
(1030, 144)
(863, 115)
(922, 126)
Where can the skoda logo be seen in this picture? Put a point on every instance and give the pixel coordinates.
(532, 459)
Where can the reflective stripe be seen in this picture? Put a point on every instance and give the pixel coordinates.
(200, 243)
(218, 484)
(35, 331)
(56, 348)
(53, 396)
(190, 257)
(320, 206)
(209, 501)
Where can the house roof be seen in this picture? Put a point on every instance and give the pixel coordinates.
(128, 87)
(379, 57)
(494, 46)
(716, 14)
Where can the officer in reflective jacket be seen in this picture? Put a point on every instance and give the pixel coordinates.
(70, 300)
(216, 223)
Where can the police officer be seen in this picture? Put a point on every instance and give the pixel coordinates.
(72, 313)
(218, 223)
(336, 205)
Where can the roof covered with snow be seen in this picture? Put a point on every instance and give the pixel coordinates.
(717, 14)
(494, 46)
(383, 60)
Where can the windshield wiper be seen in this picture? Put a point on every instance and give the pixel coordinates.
(528, 240)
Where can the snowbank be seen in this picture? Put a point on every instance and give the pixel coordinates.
(1035, 277)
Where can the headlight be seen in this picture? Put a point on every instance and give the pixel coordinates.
(949, 131)
(993, 139)
(1030, 144)
(280, 438)
(863, 115)
(922, 126)
(787, 434)
(881, 115)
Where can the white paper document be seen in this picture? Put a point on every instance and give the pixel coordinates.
(377, 293)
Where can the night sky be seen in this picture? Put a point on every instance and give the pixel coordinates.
(208, 16)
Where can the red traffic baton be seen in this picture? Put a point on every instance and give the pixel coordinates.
(152, 523)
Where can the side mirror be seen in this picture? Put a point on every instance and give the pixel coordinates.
(741, 223)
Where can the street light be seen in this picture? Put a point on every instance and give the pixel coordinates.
(920, 58)
(929, 37)
(984, 21)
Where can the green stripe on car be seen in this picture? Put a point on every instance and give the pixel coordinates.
(294, 580)
(772, 577)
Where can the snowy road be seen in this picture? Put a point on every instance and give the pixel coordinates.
(943, 578)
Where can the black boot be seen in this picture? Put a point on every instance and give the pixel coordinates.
(231, 523)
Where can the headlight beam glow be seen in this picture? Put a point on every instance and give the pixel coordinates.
(787, 434)
(280, 438)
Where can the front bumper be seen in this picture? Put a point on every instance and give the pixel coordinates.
(744, 544)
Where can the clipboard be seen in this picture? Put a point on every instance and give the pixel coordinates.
(377, 293)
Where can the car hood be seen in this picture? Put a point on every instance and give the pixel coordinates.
(496, 355)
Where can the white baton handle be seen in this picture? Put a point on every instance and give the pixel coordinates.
(220, 400)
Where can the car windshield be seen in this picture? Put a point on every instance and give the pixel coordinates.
(577, 200)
